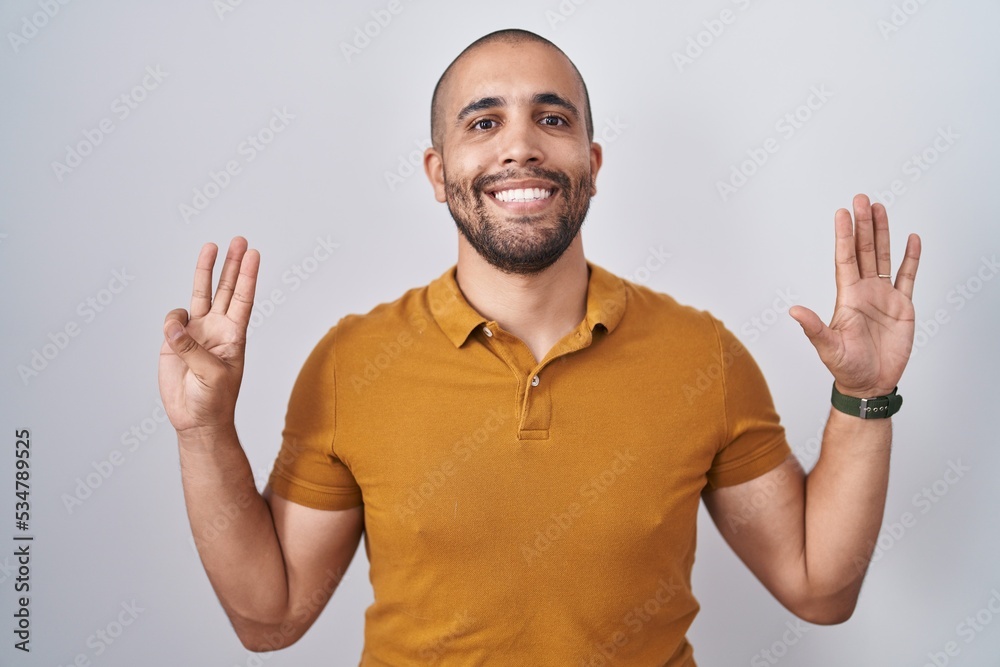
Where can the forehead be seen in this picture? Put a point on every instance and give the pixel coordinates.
(514, 71)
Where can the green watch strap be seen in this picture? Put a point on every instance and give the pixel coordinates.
(878, 407)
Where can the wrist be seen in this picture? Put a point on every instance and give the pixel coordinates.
(206, 437)
(862, 392)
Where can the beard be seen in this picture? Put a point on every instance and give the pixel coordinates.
(522, 245)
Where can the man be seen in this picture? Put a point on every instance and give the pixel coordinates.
(524, 442)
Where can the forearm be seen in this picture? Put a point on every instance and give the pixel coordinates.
(845, 501)
(233, 530)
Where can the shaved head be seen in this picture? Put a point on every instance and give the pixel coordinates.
(512, 37)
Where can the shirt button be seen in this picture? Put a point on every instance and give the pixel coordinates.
(534, 381)
(486, 330)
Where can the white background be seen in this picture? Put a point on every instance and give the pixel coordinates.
(356, 118)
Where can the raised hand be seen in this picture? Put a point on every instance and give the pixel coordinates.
(201, 359)
(870, 336)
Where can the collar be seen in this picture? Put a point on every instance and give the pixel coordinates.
(605, 303)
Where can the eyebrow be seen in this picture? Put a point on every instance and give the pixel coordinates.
(550, 99)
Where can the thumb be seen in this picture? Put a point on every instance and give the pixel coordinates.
(197, 358)
(820, 335)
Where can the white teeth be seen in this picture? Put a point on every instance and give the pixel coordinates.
(522, 194)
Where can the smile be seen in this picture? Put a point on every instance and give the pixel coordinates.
(522, 195)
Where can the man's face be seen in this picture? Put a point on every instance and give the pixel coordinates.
(516, 167)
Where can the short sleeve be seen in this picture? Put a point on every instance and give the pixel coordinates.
(754, 441)
(307, 471)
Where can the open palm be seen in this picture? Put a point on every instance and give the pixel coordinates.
(868, 341)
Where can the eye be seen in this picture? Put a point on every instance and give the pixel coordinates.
(484, 124)
(553, 121)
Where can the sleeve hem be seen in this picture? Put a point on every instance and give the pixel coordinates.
(313, 496)
(738, 472)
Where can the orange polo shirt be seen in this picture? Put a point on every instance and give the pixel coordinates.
(523, 512)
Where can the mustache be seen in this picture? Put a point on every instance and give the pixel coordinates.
(487, 181)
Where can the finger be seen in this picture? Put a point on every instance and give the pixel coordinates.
(230, 272)
(201, 295)
(820, 335)
(197, 358)
(246, 285)
(908, 269)
(845, 257)
(864, 237)
(883, 259)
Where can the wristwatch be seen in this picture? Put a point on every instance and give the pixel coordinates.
(878, 407)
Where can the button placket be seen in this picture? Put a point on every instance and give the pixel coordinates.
(534, 399)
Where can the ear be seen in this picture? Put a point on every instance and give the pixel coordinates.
(434, 168)
(596, 159)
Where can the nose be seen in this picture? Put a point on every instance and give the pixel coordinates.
(520, 143)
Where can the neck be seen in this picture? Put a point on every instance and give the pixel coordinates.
(540, 308)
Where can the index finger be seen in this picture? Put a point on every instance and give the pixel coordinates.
(908, 269)
(246, 285)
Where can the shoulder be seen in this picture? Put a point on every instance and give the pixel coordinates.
(358, 340)
(388, 319)
(662, 315)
